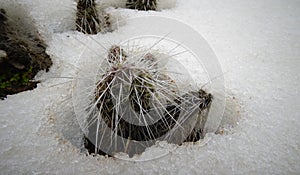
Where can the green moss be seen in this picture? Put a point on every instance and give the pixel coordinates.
(13, 80)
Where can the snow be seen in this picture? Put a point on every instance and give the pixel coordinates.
(257, 44)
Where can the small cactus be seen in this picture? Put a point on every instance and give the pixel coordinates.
(88, 20)
(141, 4)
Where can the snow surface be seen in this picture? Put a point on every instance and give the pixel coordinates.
(258, 46)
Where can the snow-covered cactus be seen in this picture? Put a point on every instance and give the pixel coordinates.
(141, 4)
(138, 102)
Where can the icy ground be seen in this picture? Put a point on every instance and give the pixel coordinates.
(258, 45)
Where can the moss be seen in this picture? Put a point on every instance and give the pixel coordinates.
(14, 81)
(20, 78)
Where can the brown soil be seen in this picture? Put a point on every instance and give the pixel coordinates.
(23, 57)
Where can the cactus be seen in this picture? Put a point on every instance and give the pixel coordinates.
(140, 88)
(204, 106)
(141, 4)
(88, 19)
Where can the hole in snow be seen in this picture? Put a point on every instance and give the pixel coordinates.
(139, 97)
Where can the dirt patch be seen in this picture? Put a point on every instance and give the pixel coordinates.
(22, 56)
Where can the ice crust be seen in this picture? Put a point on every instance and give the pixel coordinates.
(257, 43)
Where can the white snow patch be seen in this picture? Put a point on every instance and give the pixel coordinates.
(257, 43)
